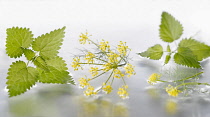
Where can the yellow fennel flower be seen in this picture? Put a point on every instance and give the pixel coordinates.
(83, 82)
(122, 48)
(153, 78)
(94, 71)
(90, 91)
(104, 46)
(113, 57)
(122, 92)
(118, 73)
(83, 38)
(75, 64)
(107, 67)
(89, 57)
(129, 69)
(107, 88)
(172, 91)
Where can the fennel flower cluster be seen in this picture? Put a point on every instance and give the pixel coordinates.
(172, 91)
(103, 60)
(180, 84)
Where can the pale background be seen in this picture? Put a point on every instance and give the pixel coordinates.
(134, 21)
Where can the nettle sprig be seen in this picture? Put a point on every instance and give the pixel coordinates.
(42, 62)
(175, 87)
(104, 60)
(189, 51)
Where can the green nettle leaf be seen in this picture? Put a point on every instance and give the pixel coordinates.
(168, 49)
(29, 54)
(170, 28)
(200, 50)
(155, 52)
(48, 45)
(185, 57)
(54, 76)
(20, 78)
(17, 39)
(57, 72)
(168, 57)
(57, 63)
(40, 63)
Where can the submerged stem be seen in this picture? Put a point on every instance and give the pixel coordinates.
(188, 77)
(193, 83)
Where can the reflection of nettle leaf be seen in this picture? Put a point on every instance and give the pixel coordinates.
(42, 52)
(104, 60)
(189, 51)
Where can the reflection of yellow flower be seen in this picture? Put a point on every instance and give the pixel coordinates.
(153, 78)
(107, 88)
(129, 69)
(89, 57)
(120, 110)
(118, 73)
(122, 92)
(171, 107)
(172, 91)
(75, 64)
(94, 71)
(153, 92)
(83, 38)
(90, 91)
(83, 82)
(122, 49)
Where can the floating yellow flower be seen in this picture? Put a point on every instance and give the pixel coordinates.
(107, 88)
(90, 91)
(94, 71)
(153, 78)
(122, 92)
(89, 57)
(83, 38)
(118, 73)
(83, 82)
(122, 48)
(76, 63)
(129, 69)
(172, 91)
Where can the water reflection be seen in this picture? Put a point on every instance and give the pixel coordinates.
(171, 107)
(196, 105)
(45, 102)
(101, 107)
